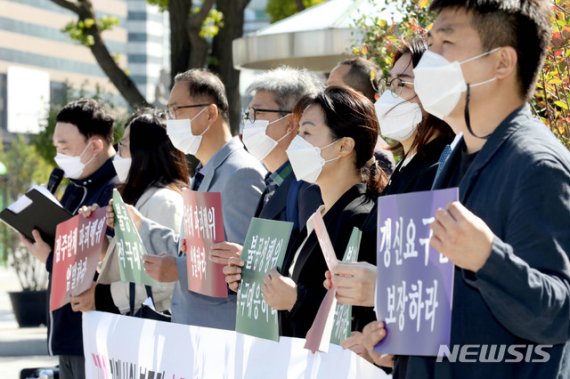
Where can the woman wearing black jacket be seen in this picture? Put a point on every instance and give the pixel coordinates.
(421, 138)
(338, 130)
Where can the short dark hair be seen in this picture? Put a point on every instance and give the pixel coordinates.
(90, 118)
(206, 84)
(348, 113)
(359, 76)
(155, 161)
(521, 24)
(430, 125)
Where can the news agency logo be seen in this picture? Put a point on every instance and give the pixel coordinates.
(494, 353)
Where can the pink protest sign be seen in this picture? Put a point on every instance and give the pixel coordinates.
(203, 226)
(78, 243)
(318, 224)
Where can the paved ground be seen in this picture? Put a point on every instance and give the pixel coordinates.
(19, 347)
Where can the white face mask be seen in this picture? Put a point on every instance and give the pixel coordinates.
(306, 159)
(122, 167)
(258, 143)
(180, 134)
(398, 118)
(440, 83)
(71, 165)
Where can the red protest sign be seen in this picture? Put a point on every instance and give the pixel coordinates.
(203, 226)
(78, 243)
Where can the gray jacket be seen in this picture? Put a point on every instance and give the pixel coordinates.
(238, 176)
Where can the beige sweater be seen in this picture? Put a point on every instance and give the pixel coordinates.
(164, 206)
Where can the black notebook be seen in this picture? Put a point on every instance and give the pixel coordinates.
(37, 209)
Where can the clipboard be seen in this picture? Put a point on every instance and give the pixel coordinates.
(35, 210)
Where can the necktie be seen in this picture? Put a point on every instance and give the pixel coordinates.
(197, 181)
(270, 188)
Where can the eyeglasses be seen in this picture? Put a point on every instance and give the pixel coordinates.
(396, 86)
(251, 113)
(172, 109)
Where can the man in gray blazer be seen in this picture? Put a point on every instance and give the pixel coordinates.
(198, 125)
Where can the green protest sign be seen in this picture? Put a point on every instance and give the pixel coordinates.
(264, 248)
(343, 313)
(129, 245)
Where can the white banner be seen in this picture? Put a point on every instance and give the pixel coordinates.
(120, 347)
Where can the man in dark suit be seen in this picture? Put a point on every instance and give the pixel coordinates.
(268, 131)
(83, 139)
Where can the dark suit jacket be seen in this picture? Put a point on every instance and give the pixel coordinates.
(309, 271)
(307, 200)
(519, 185)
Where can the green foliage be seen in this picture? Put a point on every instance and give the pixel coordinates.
(552, 96)
(280, 9)
(25, 167)
(551, 101)
(212, 23)
(161, 4)
(381, 38)
(80, 30)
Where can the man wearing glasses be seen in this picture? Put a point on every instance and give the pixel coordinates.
(267, 133)
(198, 125)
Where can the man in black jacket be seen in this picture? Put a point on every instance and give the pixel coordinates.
(83, 138)
(509, 234)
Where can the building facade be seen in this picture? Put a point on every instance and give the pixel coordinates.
(31, 37)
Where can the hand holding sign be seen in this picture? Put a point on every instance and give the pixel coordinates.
(78, 244)
(461, 236)
(87, 210)
(85, 301)
(414, 282)
(134, 214)
(203, 228)
(161, 268)
(233, 273)
(261, 285)
(355, 344)
(355, 283)
(129, 244)
(372, 334)
(222, 252)
(333, 321)
(279, 291)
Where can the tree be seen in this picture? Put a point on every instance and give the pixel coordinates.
(552, 96)
(188, 39)
(208, 43)
(222, 51)
(280, 9)
(87, 30)
(200, 37)
(551, 101)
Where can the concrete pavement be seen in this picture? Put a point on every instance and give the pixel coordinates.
(19, 347)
